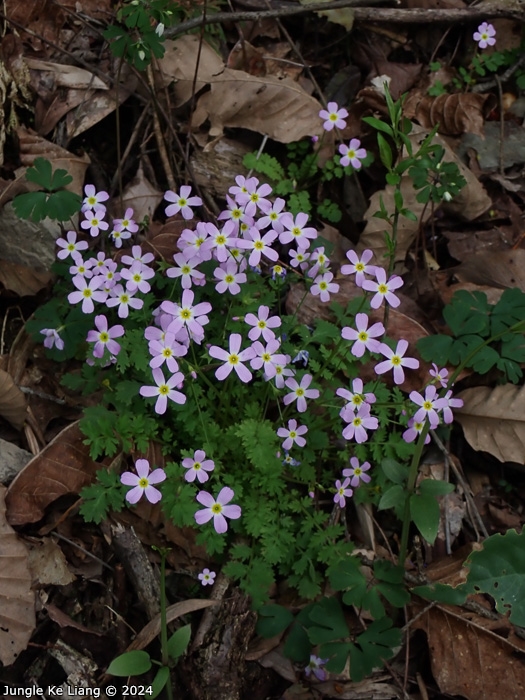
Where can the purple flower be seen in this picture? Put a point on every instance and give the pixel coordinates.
(104, 337)
(123, 299)
(296, 230)
(166, 349)
(186, 268)
(396, 361)
(358, 423)
(142, 481)
(127, 223)
(207, 577)
(485, 35)
(70, 245)
(137, 256)
(293, 434)
(87, 292)
(359, 266)
(136, 277)
(164, 390)
(342, 492)
(383, 289)
(52, 339)
(198, 466)
(94, 199)
(352, 154)
(363, 336)
(323, 286)
(182, 202)
(217, 509)
(254, 197)
(229, 278)
(430, 405)
(273, 216)
(95, 221)
(262, 325)
(357, 473)
(413, 430)
(450, 403)
(333, 116)
(259, 245)
(300, 392)
(355, 398)
(440, 375)
(185, 314)
(267, 357)
(314, 665)
(233, 359)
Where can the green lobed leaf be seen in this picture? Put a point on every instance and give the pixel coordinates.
(329, 622)
(273, 619)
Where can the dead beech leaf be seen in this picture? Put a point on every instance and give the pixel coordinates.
(141, 196)
(66, 76)
(493, 420)
(455, 114)
(12, 401)
(280, 109)
(498, 268)
(468, 658)
(468, 204)
(21, 279)
(17, 600)
(64, 466)
(245, 56)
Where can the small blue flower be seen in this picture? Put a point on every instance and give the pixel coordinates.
(302, 356)
(289, 460)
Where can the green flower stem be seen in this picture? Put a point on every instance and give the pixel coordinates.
(163, 620)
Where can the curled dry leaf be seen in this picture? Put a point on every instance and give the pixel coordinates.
(468, 654)
(499, 268)
(142, 196)
(17, 601)
(455, 114)
(64, 466)
(12, 401)
(493, 420)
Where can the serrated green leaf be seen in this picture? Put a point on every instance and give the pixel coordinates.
(435, 348)
(329, 620)
(273, 619)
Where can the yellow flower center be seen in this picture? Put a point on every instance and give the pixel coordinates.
(124, 298)
(357, 399)
(258, 245)
(396, 360)
(292, 434)
(182, 202)
(221, 240)
(186, 269)
(164, 389)
(266, 357)
(216, 508)
(254, 197)
(299, 392)
(103, 337)
(359, 267)
(382, 289)
(427, 405)
(233, 359)
(296, 231)
(363, 336)
(92, 200)
(185, 314)
(87, 292)
(197, 466)
(167, 352)
(143, 483)
(137, 277)
(71, 247)
(357, 421)
(261, 324)
(323, 286)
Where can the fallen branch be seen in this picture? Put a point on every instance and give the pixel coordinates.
(361, 14)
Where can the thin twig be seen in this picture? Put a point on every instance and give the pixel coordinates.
(163, 153)
(489, 84)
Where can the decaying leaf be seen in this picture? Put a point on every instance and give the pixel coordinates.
(17, 601)
(468, 204)
(23, 280)
(12, 401)
(455, 114)
(471, 660)
(64, 466)
(497, 268)
(493, 420)
(142, 196)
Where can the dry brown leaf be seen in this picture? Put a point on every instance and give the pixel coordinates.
(280, 109)
(468, 204)
(246, 57)
(12, 401)
(455, 114)
(141, 196)
(499, 268)
(17, 601)
(48, 565)
(469, 659)
(493, 420)
(66, 76)
(64, 466)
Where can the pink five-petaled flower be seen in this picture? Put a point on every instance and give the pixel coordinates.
(198, 466)
(262, 325)
(87, 292)
(352, 154)
(182, 202)
(430, 405)
(396, 361)
(296, 230)
(357, 472)
(185, 314)
(229, 278)
(104, 337)
(359, 423)
(440, 375)
(413, 430)
(342, 492)
(94, 199)
(136, 277)
(485, 35)
(267, 357)
(354, 398)
(142, 481)
(123, 299)
(217, 509)
(333, 116)
(207, 577)
(254, 197)
(52, 338)
(300, 392)
(293, 434)
(95, 222)
(127, 223)
(363, 336)
(383, 289)
(166, 349)
(164, 390)
(186, 268)
(233, 359)
(259, 245)
(323, 286)
(70, 245)
(137, 256)
(450, 403)
(359, 266)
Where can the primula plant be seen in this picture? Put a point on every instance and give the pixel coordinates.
(270, 427)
